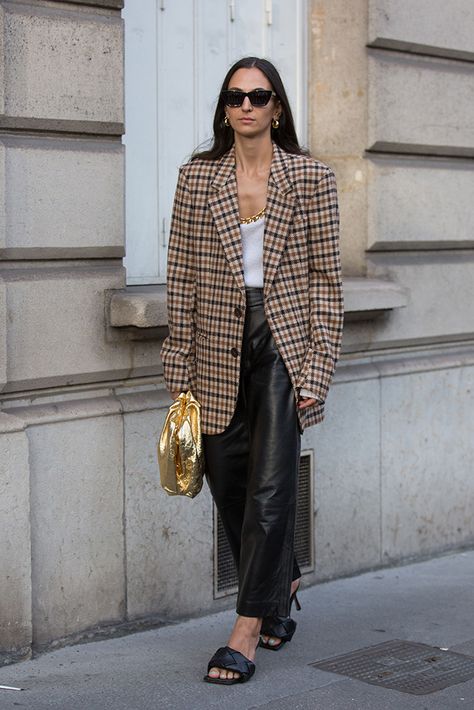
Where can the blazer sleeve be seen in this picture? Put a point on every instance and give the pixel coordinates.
(178, 348)
(307, 393)
(325, 289)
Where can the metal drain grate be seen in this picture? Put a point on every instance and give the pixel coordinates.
(403, 665)
(304, 514)
(225, 577)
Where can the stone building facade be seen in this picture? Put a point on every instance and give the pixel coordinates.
(89, 539)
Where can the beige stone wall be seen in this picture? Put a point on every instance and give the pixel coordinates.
(392, 95)
(15, 550)
(61, 249)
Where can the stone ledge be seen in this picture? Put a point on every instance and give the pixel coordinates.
(139, 308)
(366, 298)
(114, 4)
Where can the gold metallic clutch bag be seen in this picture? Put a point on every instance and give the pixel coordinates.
(180, 453)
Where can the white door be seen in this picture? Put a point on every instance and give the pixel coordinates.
(177, 53)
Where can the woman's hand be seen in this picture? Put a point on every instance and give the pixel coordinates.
(304, 402)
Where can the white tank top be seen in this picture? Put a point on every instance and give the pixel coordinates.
(252, 251)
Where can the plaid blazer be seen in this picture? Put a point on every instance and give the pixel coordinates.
(206, 289)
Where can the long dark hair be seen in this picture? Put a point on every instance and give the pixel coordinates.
(285, 135)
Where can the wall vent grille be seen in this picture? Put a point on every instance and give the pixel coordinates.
(225, 574)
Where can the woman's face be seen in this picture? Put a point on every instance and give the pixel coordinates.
(248, 120)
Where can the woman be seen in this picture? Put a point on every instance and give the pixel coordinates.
(255, 312)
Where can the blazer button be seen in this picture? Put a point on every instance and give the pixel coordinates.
(237, 311)
(234, 352)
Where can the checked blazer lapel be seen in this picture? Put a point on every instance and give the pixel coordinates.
(224, 208)
(278, 217)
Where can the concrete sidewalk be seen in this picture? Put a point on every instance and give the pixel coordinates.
(430, 602)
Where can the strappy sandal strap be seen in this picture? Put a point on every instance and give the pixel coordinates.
(279, 627)
(231, 660)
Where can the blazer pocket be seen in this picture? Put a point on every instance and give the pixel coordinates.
(299, 218)
(201, 334)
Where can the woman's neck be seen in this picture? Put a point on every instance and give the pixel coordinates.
(254, 155)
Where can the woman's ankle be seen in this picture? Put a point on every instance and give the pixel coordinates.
(250, 624)
(295, 585)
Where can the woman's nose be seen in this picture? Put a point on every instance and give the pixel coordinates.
(246, 104)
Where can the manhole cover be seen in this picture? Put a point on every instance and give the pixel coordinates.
(403, 665)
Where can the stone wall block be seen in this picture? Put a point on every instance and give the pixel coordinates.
(61, 64)
(440, 285)
(60, 197)
(56, 328)
(338, 78)
(412, 100)
(433, 23)
(409, 203)
(337, 105)
(77, 525)
(15, 548)
(428, 460)
(346, 479)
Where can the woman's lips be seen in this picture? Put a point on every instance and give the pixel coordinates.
(247, 120)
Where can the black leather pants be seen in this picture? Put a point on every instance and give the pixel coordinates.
(252, 471)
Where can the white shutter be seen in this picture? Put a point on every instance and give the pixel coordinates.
(176, 55)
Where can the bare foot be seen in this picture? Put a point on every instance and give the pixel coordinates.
(244, 638)
(272, 640)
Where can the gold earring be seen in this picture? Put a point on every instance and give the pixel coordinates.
(275, 123)
(226, 121)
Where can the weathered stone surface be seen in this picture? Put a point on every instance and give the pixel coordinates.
(60, 195)
(15, 550)
(77, 525)
(408, 200)
(56, 329)
(338, 78)
(411, 100)
(393, 459)
(139, 306)
(346, 480)
(3, 334)
(440, 285)
(61, 64)
(427, 463)
(352, 177)
(364, 296)
(338, 98)
(428, 22)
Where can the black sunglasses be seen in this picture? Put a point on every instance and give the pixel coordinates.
(257, 97)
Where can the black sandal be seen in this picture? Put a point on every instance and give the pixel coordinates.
(280, 627)
(230, 660)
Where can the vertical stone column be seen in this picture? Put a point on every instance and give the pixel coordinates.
(338, 113)
(61, 248)
(15, 549)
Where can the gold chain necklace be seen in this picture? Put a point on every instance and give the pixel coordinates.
(249, 220)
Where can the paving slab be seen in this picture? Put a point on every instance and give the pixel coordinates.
(429, 602)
